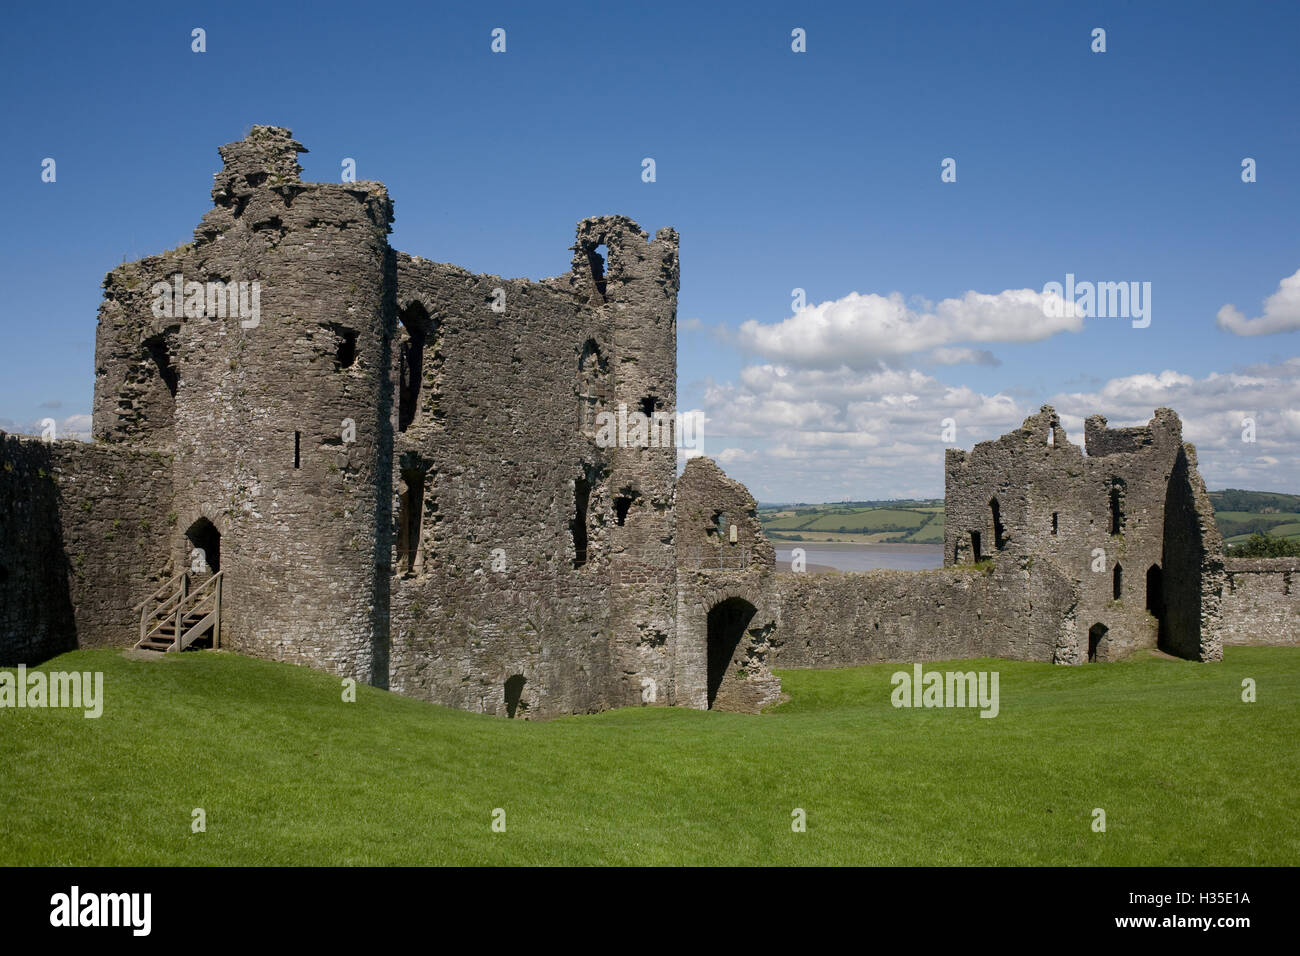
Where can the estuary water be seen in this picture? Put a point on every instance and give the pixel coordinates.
(860, 557)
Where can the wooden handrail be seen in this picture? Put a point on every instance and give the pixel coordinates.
(181, 603)
(148, 613)
(161, 588)
(209, 590)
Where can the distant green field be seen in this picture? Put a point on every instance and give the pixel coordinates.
(932, 533)
(914, 522)
(873, 519)
(289, 775)
(1233, 523)
(875, 523)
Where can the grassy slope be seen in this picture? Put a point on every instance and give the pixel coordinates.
(288, 774)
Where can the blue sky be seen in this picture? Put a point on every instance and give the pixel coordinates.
(780, 170)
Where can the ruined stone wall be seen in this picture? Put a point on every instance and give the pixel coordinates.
(1193, 566)
(631, 281)
(1032, 493)
(736, 623)
(724, 614)
(36, 614)
(1260, 603)
(487, 456)
(83, 532)
(115, 520)
(844, 620)
(532, 560)
(278, 420)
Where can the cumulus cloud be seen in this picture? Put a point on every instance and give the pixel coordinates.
(1215, 410)
(859, 331)
(729, 455)
(964, 356)
(1281, 312)
(74, 426)
(824, 435)
(818, 434)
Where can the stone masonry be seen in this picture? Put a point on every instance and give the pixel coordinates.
(405, 475)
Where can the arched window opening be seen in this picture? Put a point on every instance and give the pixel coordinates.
(581, 502)
(999, 532)
(415, 330)
(1117, 493)
(593, 385)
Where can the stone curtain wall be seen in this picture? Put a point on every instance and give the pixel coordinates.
(36, 615)
(83, 538)
(845, 620)
(713, 581)
(539, 577)
(116, 519)
(1194, 566)
(1260, 603)
(484, 585)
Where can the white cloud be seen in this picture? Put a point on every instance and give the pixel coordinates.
(1281, 312)
(74, 426)
(815, 434)
(964, 356)
(823, 435)
(1213, 410)
(859, 331)
(729, 455)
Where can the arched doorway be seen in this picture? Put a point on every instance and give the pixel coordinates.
(1096, 635)
(727, 622)
(204, 537)
(1156, 597)
(514, 694)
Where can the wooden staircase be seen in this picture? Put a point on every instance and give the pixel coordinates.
(174, 617)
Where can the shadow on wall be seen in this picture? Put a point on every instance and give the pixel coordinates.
(37, 620)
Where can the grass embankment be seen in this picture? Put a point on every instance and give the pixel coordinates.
(290, 774)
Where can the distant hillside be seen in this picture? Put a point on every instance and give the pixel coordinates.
(908, 521)
(1243, 513)
(865, 522)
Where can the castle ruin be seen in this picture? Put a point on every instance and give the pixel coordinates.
(327, 452)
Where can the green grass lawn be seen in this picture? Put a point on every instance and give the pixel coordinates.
(290, 774)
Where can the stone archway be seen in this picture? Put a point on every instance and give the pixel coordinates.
(727, 622)
(203, 537)
(1097, 642)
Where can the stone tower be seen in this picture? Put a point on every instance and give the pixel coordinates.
(258, 355)
(631, 281)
